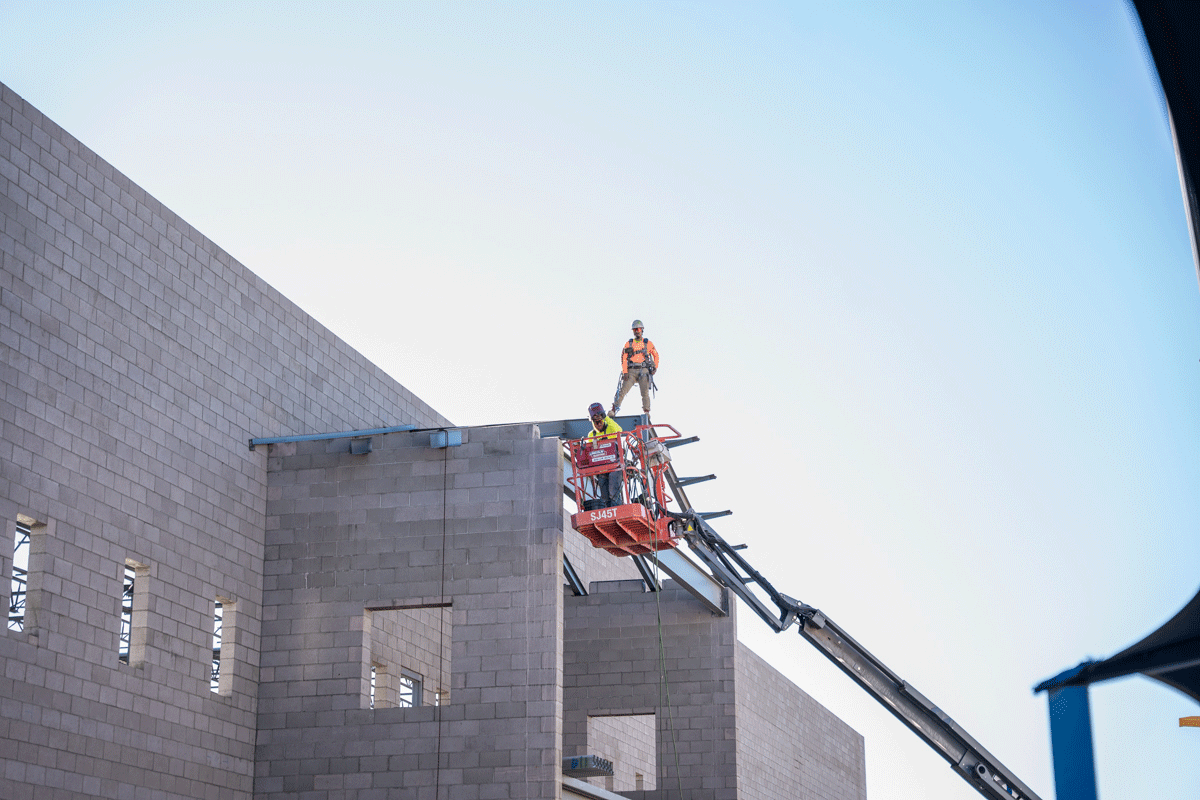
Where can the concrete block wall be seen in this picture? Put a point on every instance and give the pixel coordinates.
(630, 742)
(728, 724)
(136, 361)
(476, 528)
(789, 745)
(613, 666)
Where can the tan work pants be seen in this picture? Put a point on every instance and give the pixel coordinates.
(642, 377)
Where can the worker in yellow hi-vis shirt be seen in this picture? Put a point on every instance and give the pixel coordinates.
(609, 483)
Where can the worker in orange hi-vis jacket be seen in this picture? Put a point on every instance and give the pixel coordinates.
(639, 362)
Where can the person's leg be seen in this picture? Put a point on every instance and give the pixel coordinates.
(600, 485)
(644, 385)
(626, 384)
(615, 493)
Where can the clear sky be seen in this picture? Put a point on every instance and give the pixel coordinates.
(918, 272)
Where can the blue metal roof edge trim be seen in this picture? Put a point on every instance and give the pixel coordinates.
(316, 437)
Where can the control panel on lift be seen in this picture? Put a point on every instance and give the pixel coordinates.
(637, 522)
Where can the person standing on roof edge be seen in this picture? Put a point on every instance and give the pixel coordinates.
(609, 483)
(639, 362)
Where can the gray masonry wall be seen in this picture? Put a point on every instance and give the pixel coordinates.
(476, 528)
(613, 666)
(630, 742)
(728, 725)
(136, 361)
(788, 744)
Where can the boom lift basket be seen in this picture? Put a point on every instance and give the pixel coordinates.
(637, 526)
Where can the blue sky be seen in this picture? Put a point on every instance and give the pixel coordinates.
(919, 274)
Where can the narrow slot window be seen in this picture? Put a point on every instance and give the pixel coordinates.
(135, 604)
(126, 634)
(214, 681)
(19, 580)
(224, 646)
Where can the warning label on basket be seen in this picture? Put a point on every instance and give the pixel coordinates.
(597, 454)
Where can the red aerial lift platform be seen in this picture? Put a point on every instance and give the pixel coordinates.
(637, 525)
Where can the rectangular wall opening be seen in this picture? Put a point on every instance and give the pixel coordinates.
(630, 742)
(406, 654)
(408, 692)
(135, 608)
(378, 685)
(18, 593)
(223, 646)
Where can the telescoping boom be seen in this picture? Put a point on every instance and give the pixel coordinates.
(968, 757)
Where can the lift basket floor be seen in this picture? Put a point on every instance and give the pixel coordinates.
(624, 530)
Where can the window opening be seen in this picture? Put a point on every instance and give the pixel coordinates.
(135, 605)
(214, 681)
(126, 634)
(20, 578)
(409, 693)
(406, 657)
(378, 686)
(224, 646)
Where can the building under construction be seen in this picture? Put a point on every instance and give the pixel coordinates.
(246, 563)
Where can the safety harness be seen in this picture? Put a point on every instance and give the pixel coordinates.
(632, 350)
